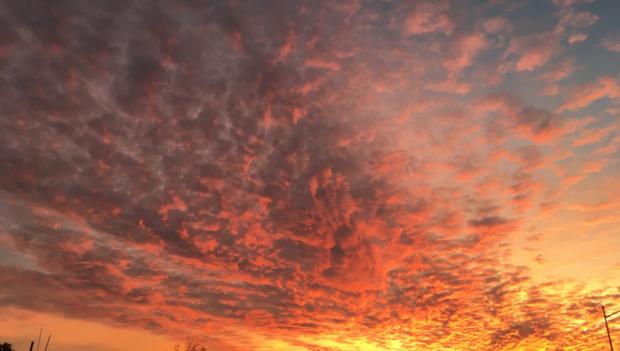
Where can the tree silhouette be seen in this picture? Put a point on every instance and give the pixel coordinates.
(6, 347)
(190, 345)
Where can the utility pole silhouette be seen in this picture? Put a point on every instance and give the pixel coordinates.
(605, 315)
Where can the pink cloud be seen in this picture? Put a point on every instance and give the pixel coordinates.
(583, 96)
(612, 44)
(463, 52)
(557, 73)
(577, 38)
(451, 85)
(560, 71)
(569, 3)
(575, 20)
(574, 23)
(496, 25)
(430, 17)
(512, 115)
(594, 135)
(322, 63)
(466, 48)
(533, 51)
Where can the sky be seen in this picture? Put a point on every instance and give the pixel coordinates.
(310, 175)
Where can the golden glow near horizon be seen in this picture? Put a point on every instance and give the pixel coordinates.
(301, 175)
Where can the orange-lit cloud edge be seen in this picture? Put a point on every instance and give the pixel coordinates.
(311, 176)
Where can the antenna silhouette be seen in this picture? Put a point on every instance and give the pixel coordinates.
(39, 341)
(48, 342)
(605, 315)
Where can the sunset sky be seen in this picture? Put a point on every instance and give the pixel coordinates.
(310, 175)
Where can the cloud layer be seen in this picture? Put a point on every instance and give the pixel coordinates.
(319, 176)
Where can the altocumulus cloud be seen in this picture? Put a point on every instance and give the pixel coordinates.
(300, 170)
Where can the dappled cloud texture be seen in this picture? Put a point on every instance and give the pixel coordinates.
(306, 175)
